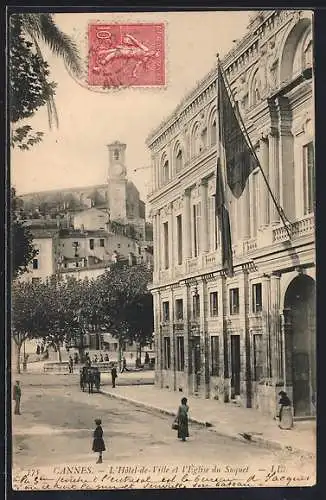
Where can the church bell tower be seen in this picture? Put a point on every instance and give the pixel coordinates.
(117, 182)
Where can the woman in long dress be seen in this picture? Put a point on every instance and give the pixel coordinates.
(182, 416)
(285, 411)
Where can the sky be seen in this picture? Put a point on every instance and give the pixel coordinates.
(75, 153)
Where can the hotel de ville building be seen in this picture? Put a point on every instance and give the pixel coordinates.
(243, 338)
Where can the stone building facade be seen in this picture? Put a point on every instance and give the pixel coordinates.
(246, 337)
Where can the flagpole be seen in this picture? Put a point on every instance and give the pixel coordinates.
(244, 131)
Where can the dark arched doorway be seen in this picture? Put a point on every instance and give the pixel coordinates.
(300, 343)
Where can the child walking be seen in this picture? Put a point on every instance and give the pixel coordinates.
(98, 443)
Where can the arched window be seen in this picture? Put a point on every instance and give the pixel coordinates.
(255, 89)
(116, 154)
(165, 170)
(203, 137)
(307, 51)
(178, 160)
(213, 136)
(303, 54)
(196, 141)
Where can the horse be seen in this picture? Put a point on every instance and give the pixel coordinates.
(90, 377)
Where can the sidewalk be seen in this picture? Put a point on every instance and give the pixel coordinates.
(225, 419)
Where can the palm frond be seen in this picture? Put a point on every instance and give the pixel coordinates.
(50, 104)
(60, 43)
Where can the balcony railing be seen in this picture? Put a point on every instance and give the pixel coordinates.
(249, 245)
(179, 325)
(297, 229)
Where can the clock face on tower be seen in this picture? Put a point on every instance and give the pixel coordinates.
(118, 170)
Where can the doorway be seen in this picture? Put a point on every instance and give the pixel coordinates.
(235, 366)
(300, 344)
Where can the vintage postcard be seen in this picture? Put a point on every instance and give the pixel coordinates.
(163, 323)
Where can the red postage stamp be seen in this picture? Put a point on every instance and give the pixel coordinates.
(130, 55)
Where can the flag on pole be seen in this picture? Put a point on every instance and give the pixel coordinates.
(235, 162)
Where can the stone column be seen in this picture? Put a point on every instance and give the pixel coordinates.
(263, 191)
(187, 224)
(173, 341)
(266, 327)
(188, 342)
(274, 175)
(204, 217)
(154, 172)
(158, 243)
(202, 326)
(245, 213)
(286, 155)
(170, 221)
(158, 339)
(225, 368)
(245, 360)
(155, 246)
(275, 323)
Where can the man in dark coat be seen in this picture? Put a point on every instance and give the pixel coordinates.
(16, 397)
(113, 375)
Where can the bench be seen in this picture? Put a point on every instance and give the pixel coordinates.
(56, 367)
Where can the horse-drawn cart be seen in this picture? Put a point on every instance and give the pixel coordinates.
(90, 378)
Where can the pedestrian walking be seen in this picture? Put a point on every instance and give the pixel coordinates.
(182, 419)
(38, 350)
(16, 397)
(76, 358)
(113, 375)
(285, 412)
(124, 365)
(98, 442)
(71, 365)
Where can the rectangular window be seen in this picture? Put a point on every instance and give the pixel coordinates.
(178, 309)
(257, 300)
(166, 311)
(213, 304)
(259, 361)
(35, 264)
(196, 306)
(180, 354)
(179, 238)
(234, 301)
(215, 356)
(308, 178)
(196, 229)
(167, 353)
(91, 244)
(102, 242)
(166, 244)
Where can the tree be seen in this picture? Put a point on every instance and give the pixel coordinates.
(125, 303)
(30, 87)
(23, 251)
(27, 313)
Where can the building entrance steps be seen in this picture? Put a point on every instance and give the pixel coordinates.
(226, 419)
